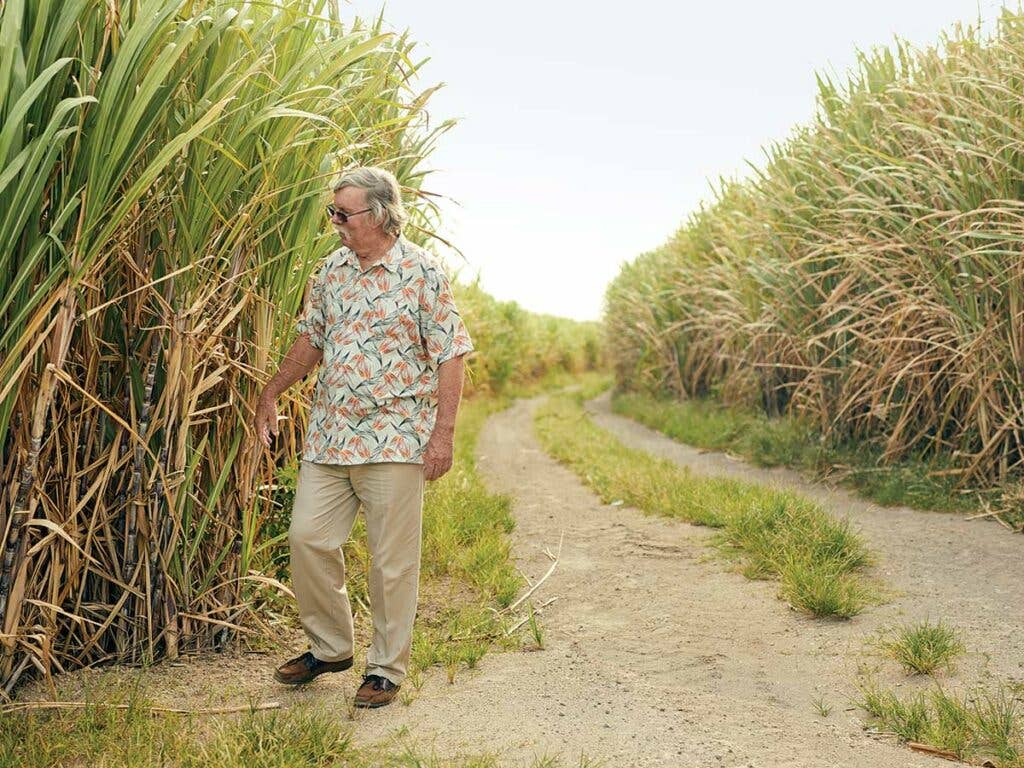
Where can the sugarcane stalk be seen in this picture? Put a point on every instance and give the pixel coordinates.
(156, 569)
(14, 546)
(119, 499)
(138, 504)
(121, 637)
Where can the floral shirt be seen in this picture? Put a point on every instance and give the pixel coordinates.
(383, 332)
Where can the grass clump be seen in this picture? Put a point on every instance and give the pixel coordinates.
(776, 534)
(924, 647)
(978, 726)
(823, 589)
(821, 707)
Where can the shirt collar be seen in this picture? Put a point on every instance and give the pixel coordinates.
(390, 261)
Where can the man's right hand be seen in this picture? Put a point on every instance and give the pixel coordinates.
(266, 418)
(298, 361)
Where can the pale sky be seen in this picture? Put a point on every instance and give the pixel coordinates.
(588, 132)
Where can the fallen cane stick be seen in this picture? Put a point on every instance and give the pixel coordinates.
(543, 578)
(513, 606)
(536, 611)
(167, 710)
(929, 749)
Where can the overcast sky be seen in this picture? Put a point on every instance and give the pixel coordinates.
(587, 134)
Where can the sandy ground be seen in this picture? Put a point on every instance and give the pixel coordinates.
(657, 654)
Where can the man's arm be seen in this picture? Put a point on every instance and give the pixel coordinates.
(449, 394)
(299, 360)
(439, 452)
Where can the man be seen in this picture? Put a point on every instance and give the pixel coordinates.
(381, 318)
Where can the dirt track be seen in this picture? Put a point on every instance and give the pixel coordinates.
(655, 653)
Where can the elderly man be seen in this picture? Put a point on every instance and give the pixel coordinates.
(381, 318)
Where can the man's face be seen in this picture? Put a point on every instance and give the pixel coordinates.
(359, 230)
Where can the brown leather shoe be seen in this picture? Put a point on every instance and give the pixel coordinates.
(304, 668)
(376, 691)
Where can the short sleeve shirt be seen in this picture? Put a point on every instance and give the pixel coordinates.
(383, 331)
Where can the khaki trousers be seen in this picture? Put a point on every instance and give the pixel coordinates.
(327, 497)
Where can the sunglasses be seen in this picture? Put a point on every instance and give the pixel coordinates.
(333, 212)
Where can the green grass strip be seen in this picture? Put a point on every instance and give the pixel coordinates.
(789, 442)
(466, 545)
(775, 534)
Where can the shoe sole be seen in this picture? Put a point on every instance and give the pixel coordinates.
(373, 705)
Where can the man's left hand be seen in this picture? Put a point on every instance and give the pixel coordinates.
(437, 456)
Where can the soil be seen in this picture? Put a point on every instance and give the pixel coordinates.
(655, 651)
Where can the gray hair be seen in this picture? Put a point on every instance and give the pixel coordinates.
(383, 195)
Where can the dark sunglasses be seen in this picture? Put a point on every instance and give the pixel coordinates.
(333, 212)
